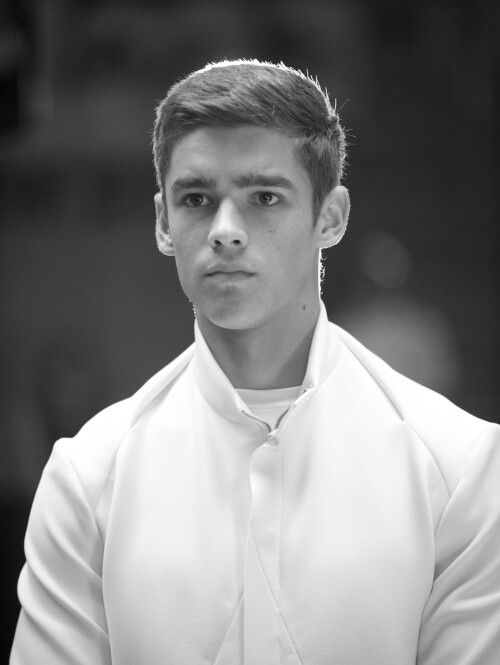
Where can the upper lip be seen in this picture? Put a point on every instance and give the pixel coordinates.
(222, 267)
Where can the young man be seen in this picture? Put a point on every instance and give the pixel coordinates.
(277, 493)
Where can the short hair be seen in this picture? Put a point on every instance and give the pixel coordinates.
(232, 93)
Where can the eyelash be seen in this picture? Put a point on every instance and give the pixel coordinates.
(184, 200)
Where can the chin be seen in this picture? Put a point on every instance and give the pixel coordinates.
(231, 316)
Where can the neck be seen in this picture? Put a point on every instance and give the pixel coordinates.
(273, 355)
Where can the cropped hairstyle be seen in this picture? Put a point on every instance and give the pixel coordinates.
(262, 94)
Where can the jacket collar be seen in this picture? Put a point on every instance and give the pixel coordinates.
(223, 398)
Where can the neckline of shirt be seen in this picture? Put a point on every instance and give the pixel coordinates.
(270, 398)
(218, 391)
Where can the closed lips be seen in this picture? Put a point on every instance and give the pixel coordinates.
(229, 271)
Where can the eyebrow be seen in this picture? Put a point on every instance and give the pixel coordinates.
(246, 180)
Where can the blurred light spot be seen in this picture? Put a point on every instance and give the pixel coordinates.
(387, 262)
(415, 338)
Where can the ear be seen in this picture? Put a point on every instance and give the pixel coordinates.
(333, 216)
(163, 238)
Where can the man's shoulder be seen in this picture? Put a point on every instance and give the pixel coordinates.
(93, 449)
(449, 432)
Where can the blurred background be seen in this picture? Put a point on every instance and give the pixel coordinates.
(90, 309)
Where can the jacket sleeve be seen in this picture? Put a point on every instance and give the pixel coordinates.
(62, 619)
(461, 620)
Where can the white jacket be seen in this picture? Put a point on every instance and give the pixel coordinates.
(176, 529)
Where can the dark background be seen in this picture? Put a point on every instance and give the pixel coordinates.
(89, 307)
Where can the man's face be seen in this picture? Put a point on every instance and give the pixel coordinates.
(239, 222)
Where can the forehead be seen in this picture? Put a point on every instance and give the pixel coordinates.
(218, 152)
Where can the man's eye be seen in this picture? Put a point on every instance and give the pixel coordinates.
(194, 200)
(267, 198)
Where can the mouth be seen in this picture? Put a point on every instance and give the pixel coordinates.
(228, 269)
(225, 275)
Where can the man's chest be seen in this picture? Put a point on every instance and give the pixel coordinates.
(314, 541)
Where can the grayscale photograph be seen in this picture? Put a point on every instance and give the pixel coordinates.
(250, 332)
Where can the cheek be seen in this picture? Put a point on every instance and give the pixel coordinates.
(185, 244)
(296, 260)
(289, 246)
(184, 261)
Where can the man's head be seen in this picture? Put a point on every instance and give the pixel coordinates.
(248, 158)
(249, 92)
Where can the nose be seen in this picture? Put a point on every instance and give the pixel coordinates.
(228, 229)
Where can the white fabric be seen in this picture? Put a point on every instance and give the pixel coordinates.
(269, 405)
(176, 529)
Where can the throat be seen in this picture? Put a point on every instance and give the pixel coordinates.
(261, 358)
(262, 365)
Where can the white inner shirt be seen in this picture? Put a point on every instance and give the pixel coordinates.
(269, 405)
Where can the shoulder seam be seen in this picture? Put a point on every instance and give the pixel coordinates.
(111, 467)
(431, 455)
(92, 505)
(462, 472)
(84, 494)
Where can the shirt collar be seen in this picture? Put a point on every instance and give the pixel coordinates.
(218, 390)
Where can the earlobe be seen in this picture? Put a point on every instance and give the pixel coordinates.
(334, 216)
(163, 238)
